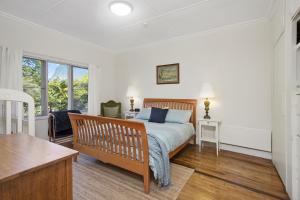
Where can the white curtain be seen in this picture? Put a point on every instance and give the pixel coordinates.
(10, 75)
(11, 68)
(94, 83)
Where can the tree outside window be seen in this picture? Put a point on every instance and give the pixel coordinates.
(67, 85)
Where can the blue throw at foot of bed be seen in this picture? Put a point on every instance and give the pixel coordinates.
(162, 139)
(159, 160)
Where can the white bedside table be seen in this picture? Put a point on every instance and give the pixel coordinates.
(130, 114)
(212, 123)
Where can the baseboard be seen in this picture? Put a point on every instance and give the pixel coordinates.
(252, 138)
(248, 151)
(250, 141)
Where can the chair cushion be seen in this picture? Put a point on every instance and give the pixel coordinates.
(158, 115)
(111, 111)
(62, 134)
(178, 116)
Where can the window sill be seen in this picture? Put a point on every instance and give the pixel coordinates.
(41, 118)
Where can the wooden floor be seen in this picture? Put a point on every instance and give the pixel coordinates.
(229, 176)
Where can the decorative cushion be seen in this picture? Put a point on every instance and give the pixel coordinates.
(111, 111)
(158, 115)
(144, 114)
(178, 116)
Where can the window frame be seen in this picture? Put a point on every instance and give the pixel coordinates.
(44, 84)
(71, 92)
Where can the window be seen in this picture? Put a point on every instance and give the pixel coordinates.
(80, 88)
(55, 86)
(34, 83)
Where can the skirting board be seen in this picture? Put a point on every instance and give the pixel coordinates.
(243, 150)
(251, 138)
(250, 141)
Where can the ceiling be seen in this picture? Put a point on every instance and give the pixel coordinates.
(150, 21)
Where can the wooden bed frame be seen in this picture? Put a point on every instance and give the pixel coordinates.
(107, 139)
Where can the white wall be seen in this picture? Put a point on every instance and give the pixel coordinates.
(42, 41)
(235, 59)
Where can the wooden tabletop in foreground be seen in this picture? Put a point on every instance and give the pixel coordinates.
(21, 153)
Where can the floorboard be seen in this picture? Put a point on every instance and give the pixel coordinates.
(229, 176)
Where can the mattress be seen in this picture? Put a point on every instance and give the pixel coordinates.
(172, 134)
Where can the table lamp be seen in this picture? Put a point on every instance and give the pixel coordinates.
(131, 93)
(207, 93)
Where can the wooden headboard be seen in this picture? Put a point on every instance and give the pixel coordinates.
(180, 104)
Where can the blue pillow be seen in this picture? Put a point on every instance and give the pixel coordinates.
(158, 115)
(144, 114)
(178, 116)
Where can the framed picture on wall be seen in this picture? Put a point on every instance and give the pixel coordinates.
(167, 74)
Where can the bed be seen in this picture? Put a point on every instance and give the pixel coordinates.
(124, 143)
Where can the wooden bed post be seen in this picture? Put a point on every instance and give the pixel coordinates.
(147, 181)
(146, 173)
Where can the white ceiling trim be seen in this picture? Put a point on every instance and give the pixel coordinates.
(30, 23)
(201, 33)
(163, 15)
(52, 7)
(166, 22)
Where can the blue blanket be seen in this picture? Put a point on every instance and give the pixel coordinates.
(159, 160)
(162, 139)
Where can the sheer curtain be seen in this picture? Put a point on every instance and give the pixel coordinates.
(10, 76)
(10, 68)
(93, 94)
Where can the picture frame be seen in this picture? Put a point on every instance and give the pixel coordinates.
(167, 74)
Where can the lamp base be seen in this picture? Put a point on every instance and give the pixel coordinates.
(131, 105)
(206, 117)
(206, 104)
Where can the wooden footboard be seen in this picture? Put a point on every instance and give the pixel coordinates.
(119, 142)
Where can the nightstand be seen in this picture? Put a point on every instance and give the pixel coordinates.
(206, 138)
(130, 114)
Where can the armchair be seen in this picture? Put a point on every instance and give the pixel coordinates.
(111, 109)
(59, 126)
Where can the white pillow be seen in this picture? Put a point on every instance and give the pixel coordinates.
(144, 114)
(178, 116)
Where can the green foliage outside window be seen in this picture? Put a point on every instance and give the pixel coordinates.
(57, 95)
(57, 87)
(32, 81)
(80, 93)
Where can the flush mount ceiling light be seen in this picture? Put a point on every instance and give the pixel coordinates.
(120, 8)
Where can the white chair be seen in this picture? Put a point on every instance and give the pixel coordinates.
(9, 96)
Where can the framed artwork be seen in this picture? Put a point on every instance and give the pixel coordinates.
(167, 74)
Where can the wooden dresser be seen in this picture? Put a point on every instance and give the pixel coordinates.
(34, 169)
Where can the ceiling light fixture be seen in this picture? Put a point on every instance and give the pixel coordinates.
(120, 8)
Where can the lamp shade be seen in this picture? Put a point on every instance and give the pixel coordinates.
(207, 91)
(131, 92)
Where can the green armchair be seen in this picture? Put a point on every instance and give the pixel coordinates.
(111, 109)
